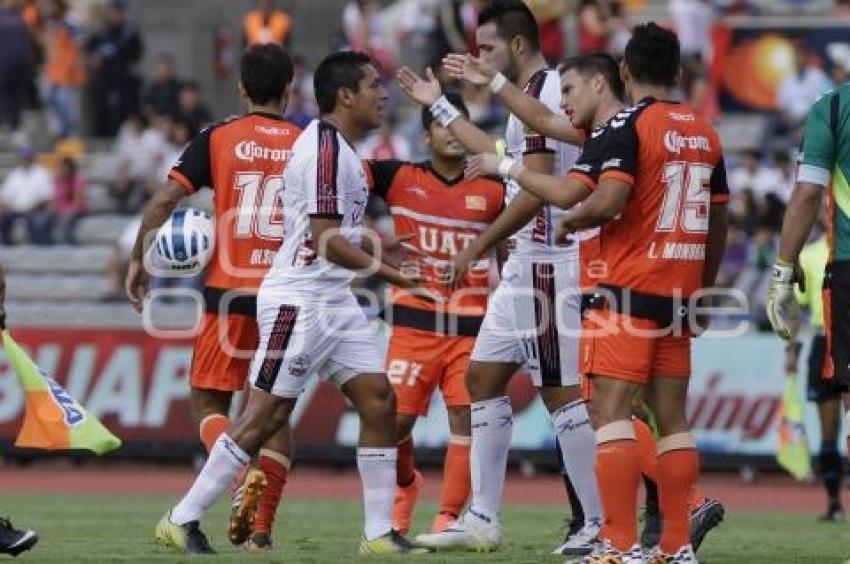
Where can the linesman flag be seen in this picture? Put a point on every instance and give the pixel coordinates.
(792, 449)
(53, 420)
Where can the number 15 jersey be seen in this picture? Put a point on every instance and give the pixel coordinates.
(242, 160)
(673, 160)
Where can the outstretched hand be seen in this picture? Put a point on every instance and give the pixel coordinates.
(424, 91)
(468, 68)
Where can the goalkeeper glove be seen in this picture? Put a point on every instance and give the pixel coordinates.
(783, 311)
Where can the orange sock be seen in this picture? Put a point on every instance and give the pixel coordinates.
(212, 426)
(678, 470)
(404, 465)
(456, 480)
(276, 468)
(647, 450)
(618, 475)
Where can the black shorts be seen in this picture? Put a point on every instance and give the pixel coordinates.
(820, 389)
(836, 285)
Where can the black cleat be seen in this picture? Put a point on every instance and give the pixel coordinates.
(651, 534)
(13, 541)
(704, 518)
(186, 538)
(834, 514)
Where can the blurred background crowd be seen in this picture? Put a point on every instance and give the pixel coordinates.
(92, 118)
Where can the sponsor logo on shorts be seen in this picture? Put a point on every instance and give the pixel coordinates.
(299, 365)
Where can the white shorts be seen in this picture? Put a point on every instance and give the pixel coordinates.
(534, 319)
(300, 337)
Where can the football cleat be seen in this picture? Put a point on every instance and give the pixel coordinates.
(604, 553)
(685, 555)
(13, 541)
(243, 508)
(472, 532)
(834, 514)
(580, 542)
(388, 544)
(405, 499)
(258, 542)
(704, 518)
(442, 521)
(187, 538)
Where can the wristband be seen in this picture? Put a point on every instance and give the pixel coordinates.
(505, 166)
(497, 83)
(443, 111)
(783, 272)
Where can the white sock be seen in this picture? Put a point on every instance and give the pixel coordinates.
(377, 472)
(492, 423)
(578, 447)
(225, 461)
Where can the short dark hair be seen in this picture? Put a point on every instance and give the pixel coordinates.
(512, 18)
(343, 69)
(597, 63)
(653, 55)
(265, 70)
(455, 99)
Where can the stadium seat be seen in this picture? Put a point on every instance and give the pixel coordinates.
(58, 287)
(58, 259)
(102, 229)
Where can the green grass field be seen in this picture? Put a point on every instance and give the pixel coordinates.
(119, 529)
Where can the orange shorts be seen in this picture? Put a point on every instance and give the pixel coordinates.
(224, 348)
(419, 360)
(620, 346)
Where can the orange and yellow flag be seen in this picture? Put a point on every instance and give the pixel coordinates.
(53, 419)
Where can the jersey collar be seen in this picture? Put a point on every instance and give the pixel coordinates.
(269, 115)
(443, 179)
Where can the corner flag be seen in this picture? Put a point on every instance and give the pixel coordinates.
(53, 420)
(792, 450)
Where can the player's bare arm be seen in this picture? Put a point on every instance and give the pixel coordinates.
(333, 246)
(427, 92)
(160, 207)
(562, 192)
(607, 202)
(527, 108)
(803, 210)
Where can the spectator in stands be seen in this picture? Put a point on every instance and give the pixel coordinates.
(113, 53)
(457, 21)
(179, 135)
(138, 152)
(698, 92)
(794, 96)
(162, 93)
(620, 28)
(593, 30)
(266, 24)
(549, 14)
(26, 195)
(64, 69)
(17, 64)
(191, 109)
(364, 28)
(693, 20)
(743, 176)
(69, 199)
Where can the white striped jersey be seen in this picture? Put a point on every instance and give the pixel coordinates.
(324, 178)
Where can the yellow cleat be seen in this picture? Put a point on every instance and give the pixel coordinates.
(186, 538)
(389, 544)
(243, 509)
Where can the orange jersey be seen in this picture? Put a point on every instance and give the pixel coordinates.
(672, 158)
(444, 216)
(242, 160)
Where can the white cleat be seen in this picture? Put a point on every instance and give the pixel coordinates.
(685, 555)
(581, 542)
(472, 532)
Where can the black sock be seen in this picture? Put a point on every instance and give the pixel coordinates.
(575, 503)
(831, 471)
(651, 495)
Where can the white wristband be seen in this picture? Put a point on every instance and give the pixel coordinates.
(497, 83)
(505, 166)
(443, 111)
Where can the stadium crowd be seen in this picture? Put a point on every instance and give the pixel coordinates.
(76, 54)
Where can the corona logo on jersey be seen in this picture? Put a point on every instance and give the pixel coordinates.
(674, 142)
(250, 150)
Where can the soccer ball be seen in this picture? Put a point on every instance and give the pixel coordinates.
(183, 245)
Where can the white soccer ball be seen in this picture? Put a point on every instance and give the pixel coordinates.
(184, 244)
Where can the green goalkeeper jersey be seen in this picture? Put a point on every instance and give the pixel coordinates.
(825, 160)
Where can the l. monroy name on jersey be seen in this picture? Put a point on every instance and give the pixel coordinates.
(677, 251)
